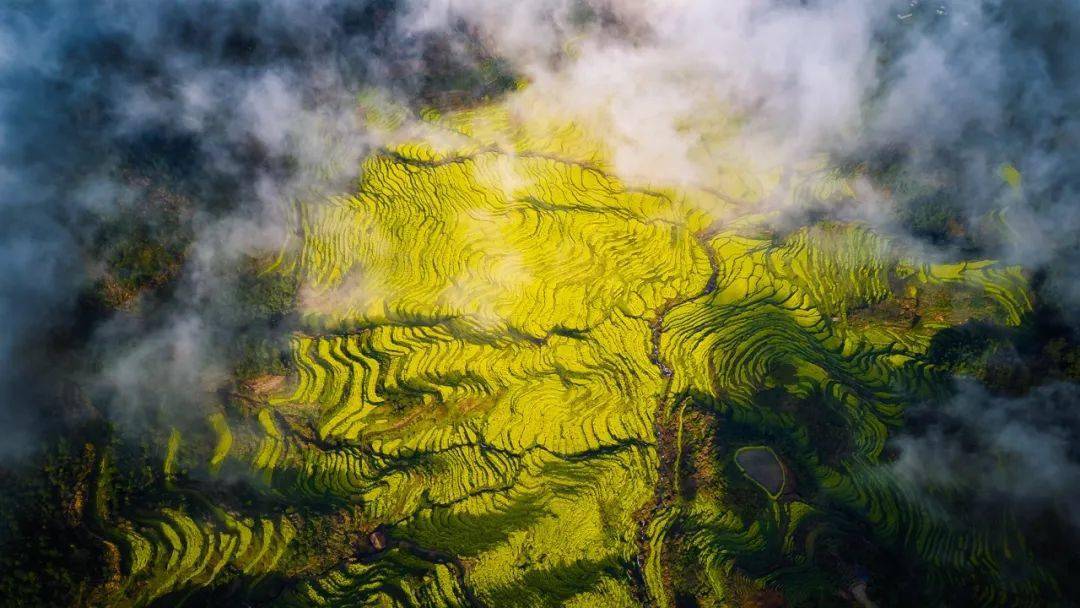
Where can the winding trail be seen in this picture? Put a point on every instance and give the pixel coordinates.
(668, 460)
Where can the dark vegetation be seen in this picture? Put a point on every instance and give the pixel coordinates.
(48, 554)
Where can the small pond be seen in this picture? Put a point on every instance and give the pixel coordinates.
(760, 464)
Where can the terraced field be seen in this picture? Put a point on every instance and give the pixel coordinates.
(522, 382)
